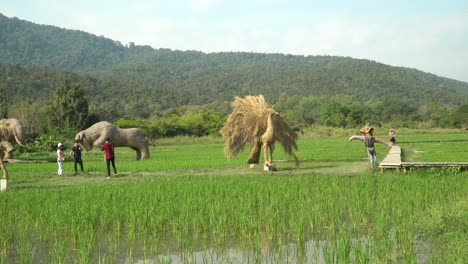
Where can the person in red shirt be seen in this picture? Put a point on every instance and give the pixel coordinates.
(108, 149)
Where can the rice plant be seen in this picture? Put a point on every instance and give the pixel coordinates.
(164, 210)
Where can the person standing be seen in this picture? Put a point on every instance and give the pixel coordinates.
(392, 136)
(108, 149)
(76, 152)
(60, 159)
(369, 140)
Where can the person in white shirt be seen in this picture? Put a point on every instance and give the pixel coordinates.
(60, 159)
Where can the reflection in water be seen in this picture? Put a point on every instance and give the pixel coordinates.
(310, 252)
(357, 251)
(110, 250)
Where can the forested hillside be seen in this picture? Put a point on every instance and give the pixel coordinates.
(131, 81)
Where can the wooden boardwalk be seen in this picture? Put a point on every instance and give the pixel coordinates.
(393, 161)
(405, 165)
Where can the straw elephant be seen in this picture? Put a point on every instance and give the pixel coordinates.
(253, 121)
(96, 135)
(12, 131)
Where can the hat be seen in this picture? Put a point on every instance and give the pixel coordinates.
(59, 145)
(367, 129)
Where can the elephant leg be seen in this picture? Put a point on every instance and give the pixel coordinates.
(272, 148)
(138, 155)
(7, 149)
(2, 166)
(145, 153)
(8, 155)
(99, 142)
(265, 154)
(254, 157)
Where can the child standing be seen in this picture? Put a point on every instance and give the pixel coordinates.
(60, 159)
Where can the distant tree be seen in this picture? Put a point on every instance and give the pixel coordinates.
(460, 117)
(34, 114)
(69, 107)
(334, 114)
(396, 106)
(310, 108)
(91, 120)
(436, 113)
(3, 102)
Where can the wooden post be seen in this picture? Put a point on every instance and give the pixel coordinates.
(3, 184)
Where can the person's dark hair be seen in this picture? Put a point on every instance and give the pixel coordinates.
(107, 139)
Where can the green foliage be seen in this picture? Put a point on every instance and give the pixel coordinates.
(141, 82)
(460, 116)
(69, 107)
(42, 145)
(34, 114)
(3, 102)
(202, 123)
(191, 123)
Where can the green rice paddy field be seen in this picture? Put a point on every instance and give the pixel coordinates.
(188, 204)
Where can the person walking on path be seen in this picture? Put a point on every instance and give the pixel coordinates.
(60, 159)
(392, 136)
(108, 149)
(369, 140)
(76, 152)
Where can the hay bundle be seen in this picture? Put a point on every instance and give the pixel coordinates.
(253, 121)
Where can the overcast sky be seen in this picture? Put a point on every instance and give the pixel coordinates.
(431, 36)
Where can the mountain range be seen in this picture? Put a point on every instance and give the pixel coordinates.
(136, 81)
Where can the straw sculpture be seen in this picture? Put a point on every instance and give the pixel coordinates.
(254, 122)
(4, 147)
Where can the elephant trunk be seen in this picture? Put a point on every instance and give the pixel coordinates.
(17, 139)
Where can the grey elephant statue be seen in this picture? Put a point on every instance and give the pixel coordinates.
(96, 135)
(12, 131)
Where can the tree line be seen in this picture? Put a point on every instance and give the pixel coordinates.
(54, 78)
(68, 109)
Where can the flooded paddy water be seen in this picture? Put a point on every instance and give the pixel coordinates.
(155, 250)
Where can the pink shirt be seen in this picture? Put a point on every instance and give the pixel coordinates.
(60, 155)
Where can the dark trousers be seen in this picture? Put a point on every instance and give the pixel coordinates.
(76, 161)
(108, 162)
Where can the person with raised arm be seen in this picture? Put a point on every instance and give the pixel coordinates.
(369, 140)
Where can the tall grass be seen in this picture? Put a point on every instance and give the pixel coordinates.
(248, 213)
(188, 203)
